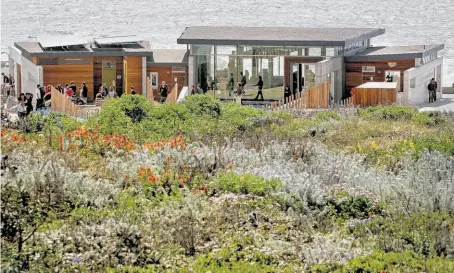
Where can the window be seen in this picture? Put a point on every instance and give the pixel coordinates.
(368, 69)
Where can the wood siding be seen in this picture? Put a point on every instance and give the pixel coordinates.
(366, 97)
(97, 73)
(168, 74)
(133, 74)
(354, 76)
(315, 97)
(62, 74)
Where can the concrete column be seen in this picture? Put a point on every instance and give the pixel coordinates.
(191, 67)
(306, 51)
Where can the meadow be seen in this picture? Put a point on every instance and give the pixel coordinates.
(204, 186)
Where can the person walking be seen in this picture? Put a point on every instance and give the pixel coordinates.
(260, 86)
(431, 88)
(163, 91)
(38, 94)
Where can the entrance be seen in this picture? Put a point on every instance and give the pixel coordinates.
(393, 76)
(109, 73)
(303, 77)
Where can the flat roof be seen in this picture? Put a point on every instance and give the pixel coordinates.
(395, 52)
(169, 56)
(383, 85)
(36, 50)
(277, 36)
(61, 40)
(118, 40)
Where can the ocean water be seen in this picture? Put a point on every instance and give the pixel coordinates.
(162, 21)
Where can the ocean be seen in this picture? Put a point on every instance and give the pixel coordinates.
(162, 21)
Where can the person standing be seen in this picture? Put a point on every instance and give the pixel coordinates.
(287, 94)
(21, 107)
(231, 85)
(163, 91)
(84, 92)
(38, 92)
(260, 86)
(104, 90)
(435, 89)
(112, 92)
(431, 88)
(199, 89)
(28, 102)
(73, 87)
(132, 90)
(243, 82)
(239, 93)
(193, 90)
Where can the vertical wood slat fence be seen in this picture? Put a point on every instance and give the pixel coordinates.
(150, 95)
(366, 97)
(172, 97)
(62, 104)
(315, 97)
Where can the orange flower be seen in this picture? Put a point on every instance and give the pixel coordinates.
(142, 173)
(230, 166)
(383, 271)
(182, 183)
(205, 189)
(185, 166)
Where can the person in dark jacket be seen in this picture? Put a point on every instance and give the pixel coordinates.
(163, 89)
(28, 102)
(73, 87)
(231, 85)
(431, 88)
(193, 90)
(435, 89)
(260, 85)
(243, 82)
(287, 94)
(84, 92)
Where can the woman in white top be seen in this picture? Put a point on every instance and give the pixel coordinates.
(111, 92)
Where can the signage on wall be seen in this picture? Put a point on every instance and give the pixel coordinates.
(392, 64)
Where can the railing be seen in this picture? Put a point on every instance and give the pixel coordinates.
(315, 97)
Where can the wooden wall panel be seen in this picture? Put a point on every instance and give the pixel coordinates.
(61, 74)
(366, 97)
(164, 74)
(354, 76)
(134, 74)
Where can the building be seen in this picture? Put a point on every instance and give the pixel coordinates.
(303, 57)
(120, 62)
(218, 58)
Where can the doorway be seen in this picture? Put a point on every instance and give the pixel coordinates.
(108, 74)
(393, 76)
(303, 77)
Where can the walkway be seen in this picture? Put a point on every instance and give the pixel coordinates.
(444, 104)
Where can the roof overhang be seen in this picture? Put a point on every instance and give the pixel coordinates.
(251, 42)
(397, 56)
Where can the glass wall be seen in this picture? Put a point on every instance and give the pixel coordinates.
(219, 69)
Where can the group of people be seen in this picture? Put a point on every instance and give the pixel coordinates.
(8, 85)
(240, 89)
(432, 87)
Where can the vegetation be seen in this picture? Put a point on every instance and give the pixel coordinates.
(209, 187)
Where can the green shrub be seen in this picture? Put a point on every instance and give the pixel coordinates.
(429, 118)
(326, 116)
(391, 262)
(247, 184)
(203, 105)
(344, 206)
(388, 112)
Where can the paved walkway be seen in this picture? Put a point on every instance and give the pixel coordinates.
(444, 104)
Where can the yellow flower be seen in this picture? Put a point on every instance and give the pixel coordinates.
(360, 149)
(374, 145)
(412, 145)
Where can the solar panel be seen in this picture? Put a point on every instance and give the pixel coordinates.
(58, 41)
(118, 40)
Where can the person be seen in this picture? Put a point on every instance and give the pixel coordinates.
(194, 90)
(243, 81)
(389, 78)
(231, 85)
(239, 93)
(38, 93)
(435, 89)
(287, 94)
(84, 92)
(28, 102)
(98, 99)
(60, 89)
(48, 90)
(69, 91)
(73, 87)
(260, 86)
(431, 88)
(200, 90)
(5, 79)
(163, 91)
(104, 90)
(132, 90)
(111, 92)
(21, 108)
